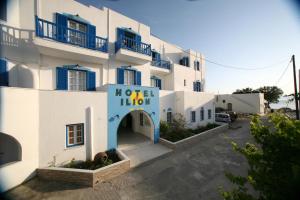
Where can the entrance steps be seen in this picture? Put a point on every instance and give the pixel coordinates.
(143, 152)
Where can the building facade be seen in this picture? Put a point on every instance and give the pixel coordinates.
(73, 75)
(252, 103)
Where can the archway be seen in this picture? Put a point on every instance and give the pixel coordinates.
(10, 149)
(135, 127)
(125, 99)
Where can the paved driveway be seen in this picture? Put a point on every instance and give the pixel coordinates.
(193, 173)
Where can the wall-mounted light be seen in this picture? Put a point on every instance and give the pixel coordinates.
(114, 117)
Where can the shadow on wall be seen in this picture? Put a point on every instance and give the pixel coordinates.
(10, 149)
(18, 43)
(19, 76)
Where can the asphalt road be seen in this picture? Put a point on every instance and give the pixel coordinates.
(192, 173)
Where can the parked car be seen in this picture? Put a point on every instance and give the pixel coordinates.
(222, 117)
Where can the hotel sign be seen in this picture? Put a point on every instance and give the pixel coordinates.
(134, 97)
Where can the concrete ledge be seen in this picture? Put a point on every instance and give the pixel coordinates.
(86, 177)
(193, 139)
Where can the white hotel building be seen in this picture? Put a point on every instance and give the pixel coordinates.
(72, 76)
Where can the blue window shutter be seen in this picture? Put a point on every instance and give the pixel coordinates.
(90, 81)
(38, 28)
(200, 87)
(158, 56)
(120, 33)
(3, 73)
(194, 86)
(91, 30)
(138, 78)
(120, 76)
(159, 83)
(61, 78)
(138, 38)
(61, 27)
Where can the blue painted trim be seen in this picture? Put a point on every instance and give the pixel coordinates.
(44, 29)
(4, 76)
(117, 110)
(67, 136)
(76, 18)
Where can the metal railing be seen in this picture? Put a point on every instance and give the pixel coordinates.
(131, 44)
(161, 64)
(50, 30)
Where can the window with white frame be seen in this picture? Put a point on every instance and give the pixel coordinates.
(184, 82)
(75, 135)
(129, 77)
(193, 116)
(78, 33)
(169, 117)
(155, 82)
(76, 80)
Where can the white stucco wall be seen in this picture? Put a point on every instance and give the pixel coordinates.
(19, 118)
(242, 103)
(183, 102)
(194, 101)
(58, 109)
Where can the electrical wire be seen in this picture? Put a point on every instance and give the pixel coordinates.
(245, 68)
(283, 73)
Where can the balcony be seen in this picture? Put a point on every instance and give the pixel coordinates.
(55, 40)
(160, 67)
(132, 51)
(161, 64)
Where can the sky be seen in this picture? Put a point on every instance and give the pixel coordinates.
(242, 33)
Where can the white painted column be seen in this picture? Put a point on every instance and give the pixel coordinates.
(89, 133)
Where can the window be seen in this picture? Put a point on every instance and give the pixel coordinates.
(75, 135)
(202, 114)
(129, 77)
(156, 82)
(169, 117)
(77, 80)
(3, 10)
(184, 82)
(197, 86)
(155, 56)
(193, 116)
(197, 65)
(209, 113)
(78, 34)
(141, 119)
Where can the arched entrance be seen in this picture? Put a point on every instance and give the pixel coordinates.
(136, 127)
(132, 100)
(10, 149)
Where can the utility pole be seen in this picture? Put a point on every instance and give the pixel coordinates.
(295, 87)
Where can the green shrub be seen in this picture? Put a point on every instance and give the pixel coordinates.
(112, 157)
(164, 127)
(274, 161)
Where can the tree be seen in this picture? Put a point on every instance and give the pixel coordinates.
(271, 93)
(274, 161)
(244, 91)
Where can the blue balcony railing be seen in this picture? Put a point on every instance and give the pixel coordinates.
(131, 44)
(161, 63)
(50, 30)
